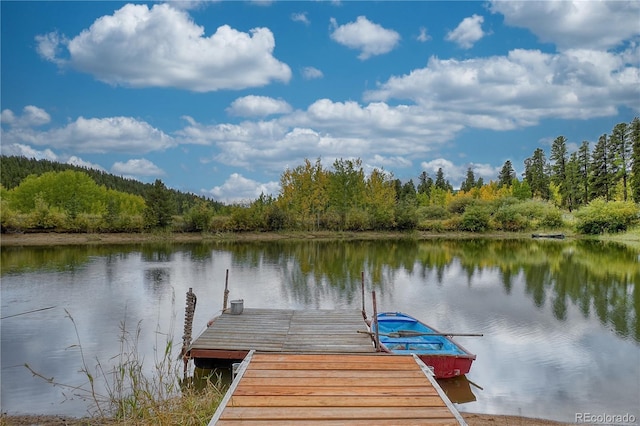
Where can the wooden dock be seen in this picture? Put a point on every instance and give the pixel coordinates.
(231, 337)
(334, 389)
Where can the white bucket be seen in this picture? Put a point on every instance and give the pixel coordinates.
(237, 306)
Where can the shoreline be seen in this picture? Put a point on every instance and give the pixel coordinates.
(472, 419)
(630, 239)
(57, 238)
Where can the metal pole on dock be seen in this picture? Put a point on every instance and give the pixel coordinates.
(226, 292)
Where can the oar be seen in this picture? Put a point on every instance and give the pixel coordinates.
(476, 385)
(409, 333)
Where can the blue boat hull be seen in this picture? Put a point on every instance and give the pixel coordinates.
(400, 333)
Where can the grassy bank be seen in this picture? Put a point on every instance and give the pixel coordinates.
(631, 237)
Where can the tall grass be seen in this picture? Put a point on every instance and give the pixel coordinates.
(126, 391)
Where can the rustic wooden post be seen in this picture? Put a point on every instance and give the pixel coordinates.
(226, 292)
(188, 327)
(364, 311)
(375, 321)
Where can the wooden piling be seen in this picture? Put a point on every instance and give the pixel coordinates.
(188, 327)
(226, 292)
(364, 311)
(375, 321)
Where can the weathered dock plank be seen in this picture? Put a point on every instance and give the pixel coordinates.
(332, 389)
(281, 330)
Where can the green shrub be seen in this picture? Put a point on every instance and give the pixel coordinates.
(459, 204)
(406, 216)
(330, 220)
(198, 217)
(276, 218)
(45, 217)
(475, 219)
(356, 220)
(532, 209)
(452, 224)
(11, 220)
(128, 223)
(220, 224)
(86, 222)
(509, 218)
(552, 218)
(600, 216)
(432, 212)
(431, 226)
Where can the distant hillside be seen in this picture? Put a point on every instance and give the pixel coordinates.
(14, 169)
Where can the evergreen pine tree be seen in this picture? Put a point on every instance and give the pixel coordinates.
(600, 180)
(469, 182)
(536, 175)
(634, 135)
(507, 174)
(160, 206)
(440, 182)
(559, 167)
(620, 148)
(424, 187)
(583, 171)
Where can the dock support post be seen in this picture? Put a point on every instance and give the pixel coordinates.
(226, 292)
(375, 321)
(364, 311)
(188, 327)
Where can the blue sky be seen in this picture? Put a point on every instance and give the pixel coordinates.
(219, 98)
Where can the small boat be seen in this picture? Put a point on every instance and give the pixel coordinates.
(402, 334)
(556, 236)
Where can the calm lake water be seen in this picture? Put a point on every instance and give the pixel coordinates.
(560, 319)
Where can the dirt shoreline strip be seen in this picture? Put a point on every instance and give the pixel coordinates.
(55, 238)
(472, 419)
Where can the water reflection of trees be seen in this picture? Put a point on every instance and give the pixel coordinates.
(14, 260)
(598, 278)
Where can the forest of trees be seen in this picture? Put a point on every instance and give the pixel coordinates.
(14, 170)
(591, 190)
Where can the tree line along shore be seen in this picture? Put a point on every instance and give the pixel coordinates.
(587, 192)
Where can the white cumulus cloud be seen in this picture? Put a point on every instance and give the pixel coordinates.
(77, 161)
(423, 36)
(310, 73)
(32, 116)
(467, 32)
(370, 38)
(300, 17)
(21, 150)
(238, 189)
(137, 167)
(520, 89)
(595, 24)
(90, 135)
(258, 106)
(163, 47)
